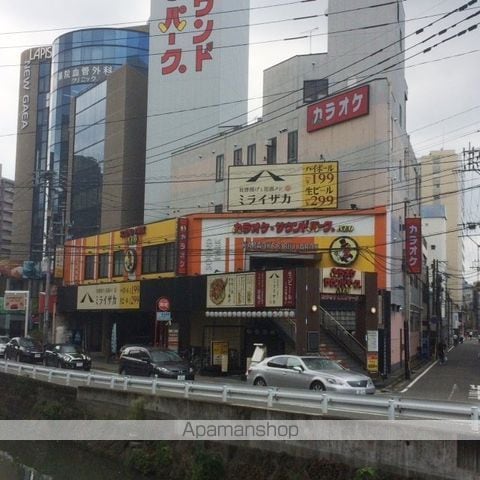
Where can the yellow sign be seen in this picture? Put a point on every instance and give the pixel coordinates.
(320, 185)
(219, 350)
(109, 296)
(372, 362)
(283, 186)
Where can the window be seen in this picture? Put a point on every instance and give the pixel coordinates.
(219, 168)
(279, 362)
(158, 258)
(252, 154)
(433, 247)
(219, 208)
(237, 156)
(89, 267)
(272, 151)
(400, 115)
(314, 90)
(118, 263)
(103, 265)
(292, 148)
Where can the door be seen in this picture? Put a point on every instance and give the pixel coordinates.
(293, 377)
(275, 371)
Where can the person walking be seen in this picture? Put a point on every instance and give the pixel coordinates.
(442, 354)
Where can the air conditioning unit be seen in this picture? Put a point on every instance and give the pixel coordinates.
(268, 143)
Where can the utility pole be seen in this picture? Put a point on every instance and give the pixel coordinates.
(48, 254)
(406, 292)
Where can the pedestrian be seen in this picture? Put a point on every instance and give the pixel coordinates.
(442, 352)
(455, 339)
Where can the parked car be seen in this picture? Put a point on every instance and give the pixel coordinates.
(154, 362)
(65, 355)
(3, 343)
(309, 372)
(24, 349)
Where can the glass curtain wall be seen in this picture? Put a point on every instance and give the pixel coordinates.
(41, 164)
(80, 60)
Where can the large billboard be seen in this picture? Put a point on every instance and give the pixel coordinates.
(283, 187)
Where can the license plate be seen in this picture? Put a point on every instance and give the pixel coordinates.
(79, 364)
(181, 377)
(37, 355)
(360, 392)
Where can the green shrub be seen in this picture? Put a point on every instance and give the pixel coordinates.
(141, 459)
(366, 473)
(207, 466)
(137, 410)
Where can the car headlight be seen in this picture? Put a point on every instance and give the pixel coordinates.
(163, 370)
(190, 369)
(334, 382)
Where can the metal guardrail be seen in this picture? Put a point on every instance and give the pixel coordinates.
(342, 335)
(272, 398)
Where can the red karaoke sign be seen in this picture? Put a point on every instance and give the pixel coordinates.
(339, 108)
(413, 245)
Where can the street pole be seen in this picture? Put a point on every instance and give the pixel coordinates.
(406, 291)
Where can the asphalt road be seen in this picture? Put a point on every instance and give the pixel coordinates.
(458, 380)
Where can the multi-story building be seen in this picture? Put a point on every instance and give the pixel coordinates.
(442, 184)
(69, 136)
(6, 209)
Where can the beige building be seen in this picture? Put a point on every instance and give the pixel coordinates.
(442, 184)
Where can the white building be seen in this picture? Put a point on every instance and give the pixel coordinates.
(198, 84)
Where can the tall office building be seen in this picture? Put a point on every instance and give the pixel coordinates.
(6, 208)
(82, 110)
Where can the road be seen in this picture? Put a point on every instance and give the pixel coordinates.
(458, 380)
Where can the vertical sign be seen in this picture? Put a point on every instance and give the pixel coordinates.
(260, 280)
(413, 245)
(289, 288)
(182, 234)
(189, 24)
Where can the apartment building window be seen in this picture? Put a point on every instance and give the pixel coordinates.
(237, 156)
(219, 208)
(252, 154)
(158, 258)
(314, 90)
(220, 168)
(272, 151)
(117, 263)
(103, 265)
(89, 267)
(292, 148)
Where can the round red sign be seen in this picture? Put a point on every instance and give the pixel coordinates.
(163, 304)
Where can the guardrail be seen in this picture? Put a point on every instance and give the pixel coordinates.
(300, 401)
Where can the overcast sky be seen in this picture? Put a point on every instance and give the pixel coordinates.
(444, 100)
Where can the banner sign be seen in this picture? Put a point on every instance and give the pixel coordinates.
(339, 108)
(413, 244)
(271, 288)
(15, 300)
(283, 187)
(182, 236)
(109, 296)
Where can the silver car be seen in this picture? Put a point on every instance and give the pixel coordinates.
(309, 372)
(3, 343)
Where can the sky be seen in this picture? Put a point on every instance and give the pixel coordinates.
(443, 94)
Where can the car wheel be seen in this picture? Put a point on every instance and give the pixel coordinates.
(260, 382)
(317, 386)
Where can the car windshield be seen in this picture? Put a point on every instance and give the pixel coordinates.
(321, 364)
(70, 349)
(27, 342)
(164, 356)
(4, 339)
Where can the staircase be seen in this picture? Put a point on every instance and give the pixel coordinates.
(339, 344)
(329, 348)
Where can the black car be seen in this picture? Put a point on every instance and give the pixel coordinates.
(154, 362)
(3, 344)
(24, 349)
(65, 355)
